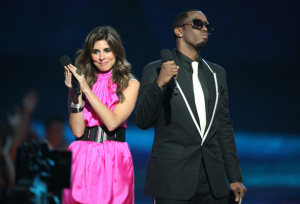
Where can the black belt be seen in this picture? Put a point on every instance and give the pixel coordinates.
(98, 134)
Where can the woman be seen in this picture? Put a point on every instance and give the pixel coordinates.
(102, 168)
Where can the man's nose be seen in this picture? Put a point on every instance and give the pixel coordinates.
(204, 27)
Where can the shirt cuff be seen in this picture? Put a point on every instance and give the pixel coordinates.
(157, 90)
(236, 180)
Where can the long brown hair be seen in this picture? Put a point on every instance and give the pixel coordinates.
(121, 69)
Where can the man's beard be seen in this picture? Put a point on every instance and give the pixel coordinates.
(201, 45)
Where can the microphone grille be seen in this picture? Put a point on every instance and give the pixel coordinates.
(65, 60)
(166, 55)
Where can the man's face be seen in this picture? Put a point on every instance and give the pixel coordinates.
(195, 37)
(55, 132)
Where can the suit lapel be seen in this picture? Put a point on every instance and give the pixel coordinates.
(212, 91)
(184, 79)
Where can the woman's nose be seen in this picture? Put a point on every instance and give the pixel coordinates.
(101, 56)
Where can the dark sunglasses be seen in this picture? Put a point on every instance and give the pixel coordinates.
(198, 24)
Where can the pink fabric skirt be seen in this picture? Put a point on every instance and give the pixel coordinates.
(101, 173)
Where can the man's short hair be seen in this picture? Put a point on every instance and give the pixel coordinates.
(179, 19)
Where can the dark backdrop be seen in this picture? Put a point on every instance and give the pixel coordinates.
(257, 42)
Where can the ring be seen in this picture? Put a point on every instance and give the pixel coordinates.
(78, 72)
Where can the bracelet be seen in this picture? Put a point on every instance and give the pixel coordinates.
(73, 105)
(76, 110)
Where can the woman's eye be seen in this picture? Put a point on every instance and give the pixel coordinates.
(96, 51)
(107, 50)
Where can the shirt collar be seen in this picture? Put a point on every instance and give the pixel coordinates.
(186, 61)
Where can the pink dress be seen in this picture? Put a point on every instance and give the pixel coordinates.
(102, 173)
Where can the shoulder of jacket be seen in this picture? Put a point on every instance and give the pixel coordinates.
(214, 66)
(154, 64)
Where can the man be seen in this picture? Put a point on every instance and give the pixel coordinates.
(194, 149)
(54, 133)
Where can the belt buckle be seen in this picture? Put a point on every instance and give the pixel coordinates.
(101, 135)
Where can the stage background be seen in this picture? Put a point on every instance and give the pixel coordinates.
(257, 42)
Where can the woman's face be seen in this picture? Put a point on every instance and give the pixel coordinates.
(102, 56)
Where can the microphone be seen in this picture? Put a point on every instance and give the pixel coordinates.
(64, 61)
(166, 55)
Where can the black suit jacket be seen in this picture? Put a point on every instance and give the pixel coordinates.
(174, 164)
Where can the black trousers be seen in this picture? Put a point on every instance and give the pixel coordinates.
(202, 196)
